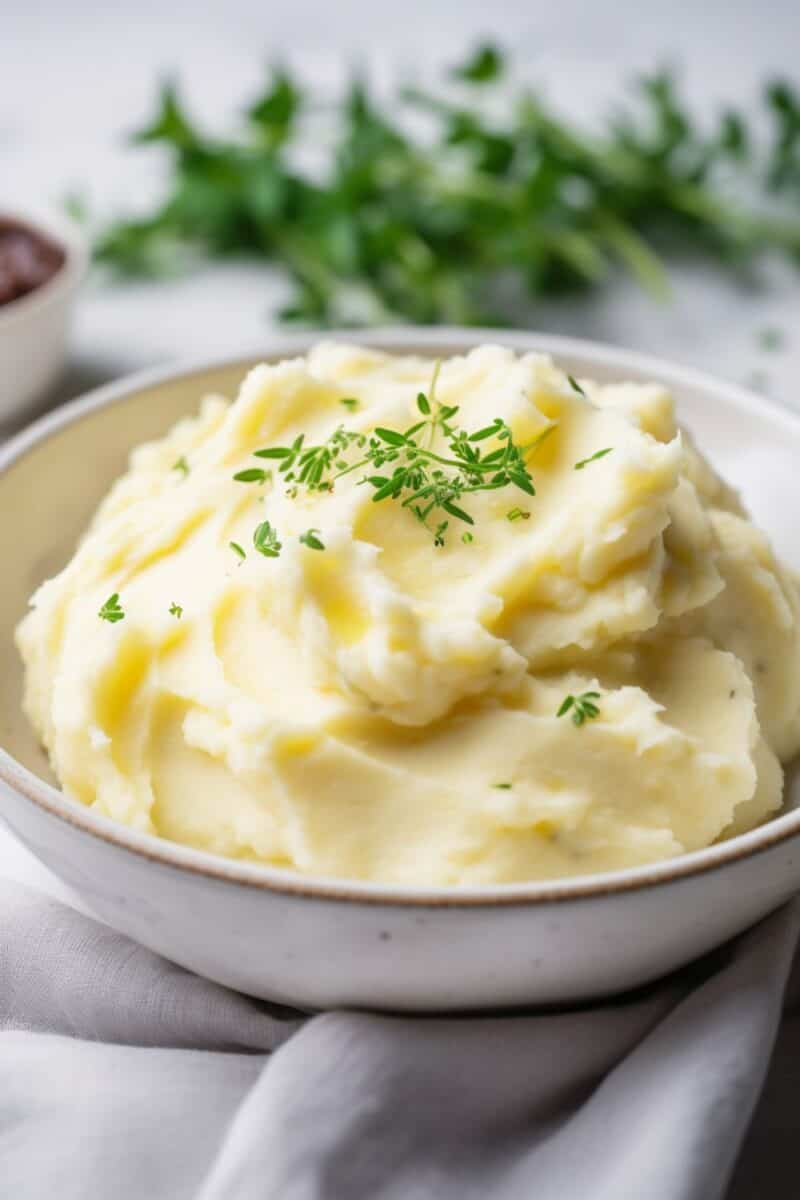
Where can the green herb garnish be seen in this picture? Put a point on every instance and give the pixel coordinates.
(237, 550)
(175, 610)
(390, 224)
(265, 540)
(310, 539)
(349, 402)
(583, 707)
(253, 475)
(503, 786)
(467, 538)
(111, 610)
(518, 514)
(484, 65)
(411, 467)
(771, 338)
(576, 387)
(182, 466)
(593, 457)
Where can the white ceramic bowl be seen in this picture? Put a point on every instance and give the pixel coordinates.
(34, 328)
(316, 942)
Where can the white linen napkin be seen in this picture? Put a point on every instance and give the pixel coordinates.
(124, 1076)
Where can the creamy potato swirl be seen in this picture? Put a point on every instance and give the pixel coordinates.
(381, 707)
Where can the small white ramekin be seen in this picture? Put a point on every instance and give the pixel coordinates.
(34, 328)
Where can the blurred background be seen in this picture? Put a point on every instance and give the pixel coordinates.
(76, 80)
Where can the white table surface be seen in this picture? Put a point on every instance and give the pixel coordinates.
(71, 85)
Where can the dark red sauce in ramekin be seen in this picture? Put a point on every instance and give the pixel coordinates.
(28, 259)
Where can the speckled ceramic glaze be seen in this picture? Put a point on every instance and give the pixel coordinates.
(319, 943)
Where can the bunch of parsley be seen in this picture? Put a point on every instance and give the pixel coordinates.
(471, 219)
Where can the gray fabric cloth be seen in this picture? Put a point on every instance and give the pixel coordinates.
(124, 1076)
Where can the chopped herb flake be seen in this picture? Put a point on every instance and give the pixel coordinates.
(253, 475)
(593, 458)
(310, 539)
(111, 610)
(265, 540)
(583, 707)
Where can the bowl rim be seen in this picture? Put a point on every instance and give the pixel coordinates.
(68, 237)
(263, 877)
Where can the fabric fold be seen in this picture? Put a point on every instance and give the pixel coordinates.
(122, 1074)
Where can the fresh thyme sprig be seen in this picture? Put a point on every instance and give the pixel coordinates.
(583, 707)
(176, 610)
(411, 466)
(112, 610)
(427, 207)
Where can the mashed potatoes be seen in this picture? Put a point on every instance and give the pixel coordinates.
(317, 678)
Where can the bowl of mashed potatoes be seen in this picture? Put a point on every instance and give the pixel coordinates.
(419, 670)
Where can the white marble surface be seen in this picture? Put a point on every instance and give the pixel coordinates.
(72, 80)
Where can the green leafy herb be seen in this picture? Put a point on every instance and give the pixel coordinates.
(484, 65)
(310, 539)
(468, 214)
(237, 550)
(272, 115)
(253, 475)
(349, 402)
(503, 786)
(771, 338)
(176, 610)
(467, 537)
(182, 466)
(412, 466)
(518, 514)
(583, 707)
(576, 387)
(111, 610)
(265, 540)
(593, 457)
